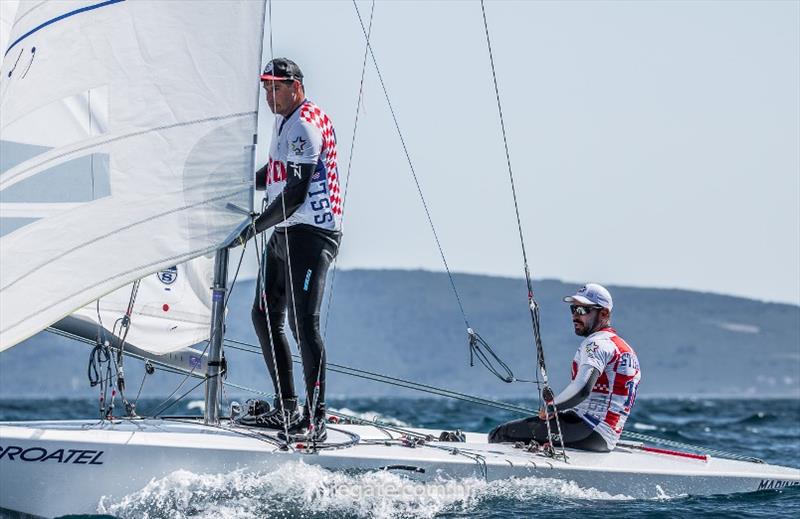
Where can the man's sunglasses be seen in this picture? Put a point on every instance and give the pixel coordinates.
(582, 310)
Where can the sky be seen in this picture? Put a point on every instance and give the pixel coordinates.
(653, 143)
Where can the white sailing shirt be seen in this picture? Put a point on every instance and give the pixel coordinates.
(307, 137)
(613, 395)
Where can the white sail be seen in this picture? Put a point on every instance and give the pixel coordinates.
(130, 126)
(8, 11)
(172, 308)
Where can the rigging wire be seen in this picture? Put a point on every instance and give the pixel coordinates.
(472, 399)
(125, 324)
(476, 342)
(312, 408)
(483, 357)
(349, 165)
(158, 410)
(545, 392)
(148, 370)
(223, 372)
(98, 355)
(161, 366)
(164, 406)
(396, 381)
(262, 269)
(411, 165)
(101, 354)
(399, 382)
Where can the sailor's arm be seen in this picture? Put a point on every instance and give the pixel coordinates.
(284, 205)
(290, 199)
(261, 178)
(576, 391)
(305, 145)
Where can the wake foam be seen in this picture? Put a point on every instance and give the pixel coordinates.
(297, 489)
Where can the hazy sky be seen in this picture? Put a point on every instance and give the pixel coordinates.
(653, 143)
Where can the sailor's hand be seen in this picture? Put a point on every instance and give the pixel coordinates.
(246, 234)
(544, 415)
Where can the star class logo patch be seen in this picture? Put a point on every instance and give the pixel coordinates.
(299, 145)
(168, 276)
(591, 349)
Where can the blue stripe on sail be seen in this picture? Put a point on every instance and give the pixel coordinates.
(58, 18)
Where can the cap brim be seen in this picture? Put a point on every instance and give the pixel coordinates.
(578, 299)
(268, 77)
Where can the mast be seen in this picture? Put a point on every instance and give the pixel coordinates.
(220, 288)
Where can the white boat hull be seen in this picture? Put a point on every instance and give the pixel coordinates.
(67, 467)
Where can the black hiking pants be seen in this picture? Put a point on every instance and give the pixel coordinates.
(294, 279)
(576, 433)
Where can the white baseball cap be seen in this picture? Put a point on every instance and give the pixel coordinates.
(592, 294)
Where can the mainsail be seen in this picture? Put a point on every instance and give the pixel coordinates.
(127, 132)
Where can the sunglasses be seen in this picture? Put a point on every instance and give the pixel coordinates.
(582, 310)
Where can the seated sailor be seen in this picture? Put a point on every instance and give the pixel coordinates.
(593, 408)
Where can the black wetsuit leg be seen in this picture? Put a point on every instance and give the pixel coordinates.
(270, 303)
(576, 433)
(310, 253)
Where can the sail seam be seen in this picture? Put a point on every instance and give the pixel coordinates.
(29, 11)
(187, 256)
(95, 144)
(73, 249)
(59, 18)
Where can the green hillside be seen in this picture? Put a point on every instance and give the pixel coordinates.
(407, 324)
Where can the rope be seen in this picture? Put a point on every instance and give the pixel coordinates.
(185, 378)
(262, 270)
(396, 381)
(190, 373)
(101, 354)
(263, 296)
(411, 166)
(485, 360)
(148, 369)
(349, 166)
(313, 408)
(161, 408)
(480, 348)
(424, 388)
(545, 392)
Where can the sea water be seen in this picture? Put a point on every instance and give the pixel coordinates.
(767, 429)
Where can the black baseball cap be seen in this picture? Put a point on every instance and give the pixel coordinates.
(282, 69)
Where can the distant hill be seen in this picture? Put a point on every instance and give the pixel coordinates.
(407, 324)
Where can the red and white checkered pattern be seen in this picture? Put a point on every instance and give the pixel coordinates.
(613, 395)
(601, 388)
(311, 113)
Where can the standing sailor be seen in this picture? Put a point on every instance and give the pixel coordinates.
(305, 207)
(593, 408)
